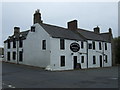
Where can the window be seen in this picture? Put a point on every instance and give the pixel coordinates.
(105, 46)
(100, 47)
(8, 44)
(14, 44)
(62, 44)
(82, 59)
(90, 46)
(44, 44)
(106, 58)
(93, 45)
(62, 61)
(82, 45)
(14, 55)
(8, 56)
(94, 60)
(20, 43)
(32, 28)
(20, 56)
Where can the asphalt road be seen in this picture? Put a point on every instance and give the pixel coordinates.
(20, 76)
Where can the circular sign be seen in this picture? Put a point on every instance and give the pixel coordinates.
(75, 47)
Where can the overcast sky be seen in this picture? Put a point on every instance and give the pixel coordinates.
(88, 14)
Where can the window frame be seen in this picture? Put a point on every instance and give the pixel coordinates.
(14, 43)
(8, 44)
(62, 44)
(20, 56)
(82, 59)
(90, 46)
(14, 55)
(100, 46)
(106, 59)
(82, 44)
(93, 44)
(62, 61)
(8, 56)
(94, 59)
(43, 44)
(105, 46)
(20, 43)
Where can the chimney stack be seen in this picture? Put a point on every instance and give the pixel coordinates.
(110, 30)
(16, 30)
(72, 25)
(97, 30)
(37, 17)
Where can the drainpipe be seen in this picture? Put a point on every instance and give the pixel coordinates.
(17, 52)
(103, 53)
(87, 54)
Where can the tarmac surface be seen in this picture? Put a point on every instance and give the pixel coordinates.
(21, 76)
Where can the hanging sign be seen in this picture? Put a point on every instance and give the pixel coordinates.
(75, 47)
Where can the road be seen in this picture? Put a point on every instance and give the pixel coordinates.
(21, 76)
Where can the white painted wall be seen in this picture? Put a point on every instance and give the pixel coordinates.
(97, 53)
(56, 53)
(33, 53)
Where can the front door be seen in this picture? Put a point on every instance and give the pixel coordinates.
(75, 61)
(100, 61)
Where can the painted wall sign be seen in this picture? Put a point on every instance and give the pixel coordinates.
(75, 47)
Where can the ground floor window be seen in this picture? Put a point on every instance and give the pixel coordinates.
(14, 55)
(94, 60)
(82, 59)
(8, 56)
(106, 58)
(62, 61)
(20, 56)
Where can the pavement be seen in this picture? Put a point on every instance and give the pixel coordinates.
(21, 76)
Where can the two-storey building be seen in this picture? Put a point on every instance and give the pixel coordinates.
(58, 48)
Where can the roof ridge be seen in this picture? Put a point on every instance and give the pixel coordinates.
(55, 26)
(89, 31)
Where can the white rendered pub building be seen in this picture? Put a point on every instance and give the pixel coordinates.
(58, 48)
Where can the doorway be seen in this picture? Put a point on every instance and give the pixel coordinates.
(75, 61)
(100, 60)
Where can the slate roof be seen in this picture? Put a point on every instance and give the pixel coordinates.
(59, 32)
(79, 34)
(22, 36)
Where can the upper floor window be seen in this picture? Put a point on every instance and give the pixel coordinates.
(82, 59)
(90, 46)
(62, 61)
(93, 45)
(8, 44)
(94, 60)
(32, 28)
(105, 46)
(82, 44)
(14, 43)
(62, 44)
(100, 46)
(44, 44)
(20, 43)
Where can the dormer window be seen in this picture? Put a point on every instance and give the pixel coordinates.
(32, 28)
